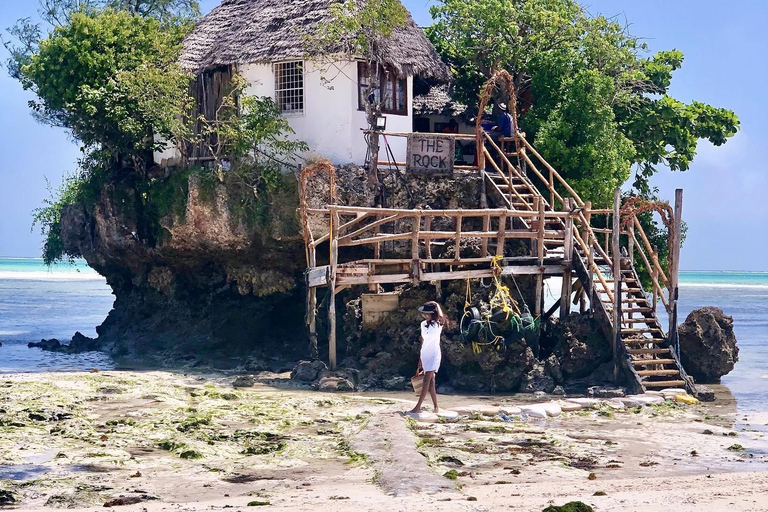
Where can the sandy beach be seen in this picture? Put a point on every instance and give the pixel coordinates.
(167, 441)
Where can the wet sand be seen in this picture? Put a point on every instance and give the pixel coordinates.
(170, 441)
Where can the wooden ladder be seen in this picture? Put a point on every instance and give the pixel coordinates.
(644, 352)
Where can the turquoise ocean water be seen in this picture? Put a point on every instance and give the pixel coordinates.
(37, 302)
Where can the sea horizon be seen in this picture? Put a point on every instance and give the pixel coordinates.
(39, 302)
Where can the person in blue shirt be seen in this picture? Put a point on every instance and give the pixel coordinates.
(504, 123)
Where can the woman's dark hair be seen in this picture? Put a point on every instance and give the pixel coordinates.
(435, 312)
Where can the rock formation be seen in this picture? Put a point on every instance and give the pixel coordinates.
(707, 344)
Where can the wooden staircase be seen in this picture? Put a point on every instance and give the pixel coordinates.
(643, 350)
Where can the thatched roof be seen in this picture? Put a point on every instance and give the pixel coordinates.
(250, 31)
(437, 102)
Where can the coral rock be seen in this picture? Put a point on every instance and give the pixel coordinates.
(707, 344)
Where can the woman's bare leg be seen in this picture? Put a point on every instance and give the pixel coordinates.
(428, 377)
(433, 392)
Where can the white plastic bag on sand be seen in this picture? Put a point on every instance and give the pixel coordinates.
(486, 410)
(448, 415)
(534, 411)
(464, 410)
(567, 406)
(553, 409)
(634, 400)
(423, 417)
(510, 410)
(586, 403)
(650, 399)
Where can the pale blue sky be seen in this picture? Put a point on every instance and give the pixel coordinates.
(726, 52)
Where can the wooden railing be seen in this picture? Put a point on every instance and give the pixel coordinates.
(423, 230)
(662, 285)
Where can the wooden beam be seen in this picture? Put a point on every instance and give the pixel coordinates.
(370, 226)
(616, 253)
(674, 267)
(567, 288)
(334, 257)
(501, 235)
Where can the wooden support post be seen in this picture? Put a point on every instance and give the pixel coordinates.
(312, 309)
(541, 223)
(334, 242)
(631, 243)
(674, 268)
(457, 247)
(590, 254)
(500, 237)
(565, 294)
(427, 241)
(483, 190)
(616, 257)
(415, 264)
(479, 148)
(373, 287)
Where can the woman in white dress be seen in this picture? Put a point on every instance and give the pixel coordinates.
(429, 360)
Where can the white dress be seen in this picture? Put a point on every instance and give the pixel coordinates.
(430, 347)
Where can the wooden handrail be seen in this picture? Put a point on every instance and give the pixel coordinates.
(656, 264)
(554, 173)
(656, 285)
(509, 184)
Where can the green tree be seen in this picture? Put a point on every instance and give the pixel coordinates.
(110, 78)
(591, 102)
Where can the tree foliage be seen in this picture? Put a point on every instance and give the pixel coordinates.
(592, 102)
(107, 72)
(110, 77)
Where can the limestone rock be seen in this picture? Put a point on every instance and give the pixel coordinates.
(51, 345)
(82, 343)
(538, 379)
(708, 345)
(704, 393)
(244, 381)
(307, 371)
(333, 383)
(394, 383)
(579, 345)
(606, 392)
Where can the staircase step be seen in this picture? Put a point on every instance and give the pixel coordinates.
(637, 310)
(644, 341)
(640, 351)
(657, 373)
(647, 362)
(640, 331)
(664, 383)
(645, 320)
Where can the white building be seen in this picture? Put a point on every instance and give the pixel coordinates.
(264, 42)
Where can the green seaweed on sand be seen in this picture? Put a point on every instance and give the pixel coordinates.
(451, 474)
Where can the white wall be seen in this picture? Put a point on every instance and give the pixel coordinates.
(331, 123)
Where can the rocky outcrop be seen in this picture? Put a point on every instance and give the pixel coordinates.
(579, 345)
(199, 280)
(708, 345)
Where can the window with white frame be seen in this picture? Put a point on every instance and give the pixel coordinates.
(289, 86)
